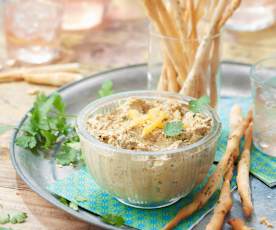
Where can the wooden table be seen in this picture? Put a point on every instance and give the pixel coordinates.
(115, 44)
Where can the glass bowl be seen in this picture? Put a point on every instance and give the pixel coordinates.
(146, 179)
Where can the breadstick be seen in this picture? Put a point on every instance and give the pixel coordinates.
(243, 174)
(181, 26)
(193, 31)
(203, 49)
(215, 179)
(170, 26)
(213, 71)
(163, 81)
(152, 8)
(54, 79)
(224, 203)
(238, 224)
(172, 80)
(234, 123)
(10, 77)
(16, 74)
(229, 12)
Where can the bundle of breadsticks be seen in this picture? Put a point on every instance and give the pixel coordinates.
(54, 75)
(192, 50)
(222, 176)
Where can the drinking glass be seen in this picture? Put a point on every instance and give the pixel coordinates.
(263, 84)
(253, 15)
(33, 29)
(209, 72)
(83, 14)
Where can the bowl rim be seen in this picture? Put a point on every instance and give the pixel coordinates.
(212, 136)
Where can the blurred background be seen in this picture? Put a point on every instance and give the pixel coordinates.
(109, 33)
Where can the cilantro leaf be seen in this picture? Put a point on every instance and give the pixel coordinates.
(46, 124)
(3, 228)
(5, 128)
(26, 142)
(173, 128)
(67, 155)
(196, 105)
(106, 89)
(18, 217)
(74, 206)
(114, 220)
(4, 218)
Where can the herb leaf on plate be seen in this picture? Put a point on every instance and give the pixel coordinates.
(196, 105)
(114, 220)
(4, 218)
(106, 89)
(18, 217)
(173, 128)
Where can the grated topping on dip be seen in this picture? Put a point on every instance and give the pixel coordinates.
(138, 124)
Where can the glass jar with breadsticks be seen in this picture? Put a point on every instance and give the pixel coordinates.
(184, 46)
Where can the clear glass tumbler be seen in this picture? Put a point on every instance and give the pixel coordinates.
(159, 55)
(33, 29)
(83, 14)
(263, 83)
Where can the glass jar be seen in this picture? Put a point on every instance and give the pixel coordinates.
(164, 75)
(263, 86)
(32, 30)
(146, 179)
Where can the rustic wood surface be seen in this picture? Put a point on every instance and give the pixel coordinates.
(115, 44)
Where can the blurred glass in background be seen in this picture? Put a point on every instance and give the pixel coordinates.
(32, 29)
(263, 83)
(83, 14)
(253, 15)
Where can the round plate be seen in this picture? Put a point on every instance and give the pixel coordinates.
(39, 172)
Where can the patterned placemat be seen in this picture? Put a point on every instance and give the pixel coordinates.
(81, 184)
(262, 166)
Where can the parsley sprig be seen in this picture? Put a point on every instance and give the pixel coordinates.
(47, 124)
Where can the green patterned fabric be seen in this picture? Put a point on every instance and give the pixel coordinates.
(262, 166)
(80, 184)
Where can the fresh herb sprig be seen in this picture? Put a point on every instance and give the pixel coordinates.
(47, 124)
(13, 217)
(114, 220)
(106, 89)
(173, 128)
(196, 105)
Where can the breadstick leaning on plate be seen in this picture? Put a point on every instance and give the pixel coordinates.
(214, 181)
(238, 224)
(224, 203)
(243, 174)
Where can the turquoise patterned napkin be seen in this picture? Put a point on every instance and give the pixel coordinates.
(81, 184)
(262, 166)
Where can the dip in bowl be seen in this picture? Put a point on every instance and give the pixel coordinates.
(137, 152)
